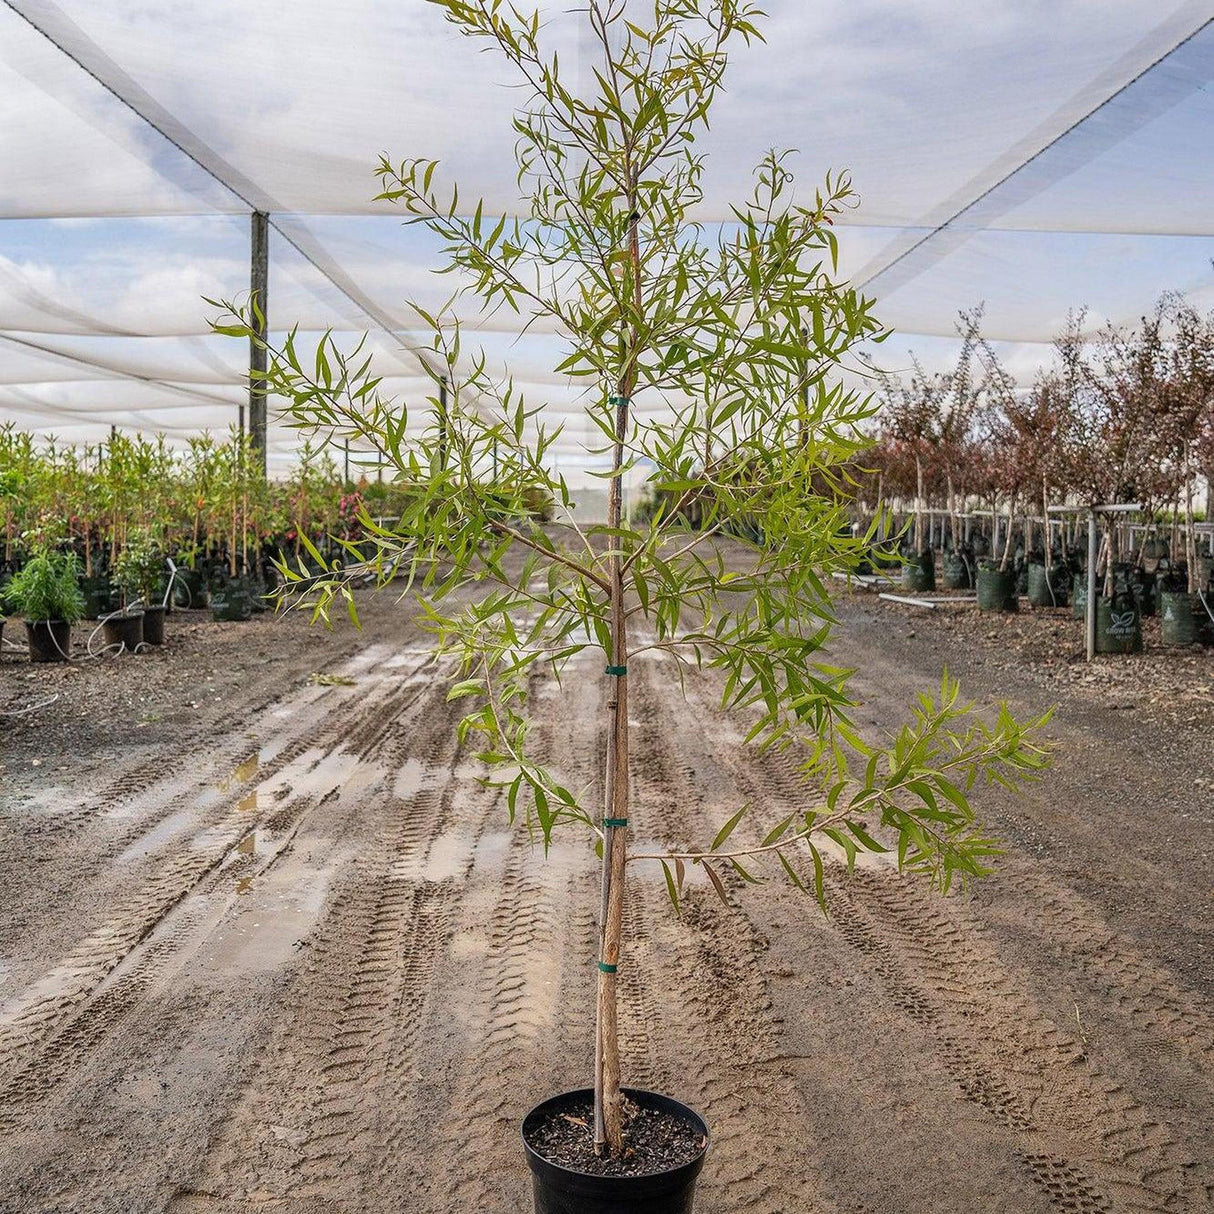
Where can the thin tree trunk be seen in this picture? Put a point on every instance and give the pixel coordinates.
(608, 1103)
(1190, 538)
(918, 504)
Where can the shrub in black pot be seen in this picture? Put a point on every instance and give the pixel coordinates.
(46, 592)
(139, 578)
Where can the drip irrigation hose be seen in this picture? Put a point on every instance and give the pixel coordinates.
(20, 712)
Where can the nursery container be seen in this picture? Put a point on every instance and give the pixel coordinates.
(123, 631)
(189, 589)
(1180, 616)
(1144, 589)
(153, 624)
(958, 573)
(233, 601)
(1079, 595)
(1047, 588)
(49, 640)
(560, 1190)
(997, 590)
(1118, 625)
(919, 572)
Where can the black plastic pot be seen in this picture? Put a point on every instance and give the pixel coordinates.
(1118, 625)
(1179, 617)
(124, 631)
(49, 640)
(153, 625)
(997, 590)
(562, 1191)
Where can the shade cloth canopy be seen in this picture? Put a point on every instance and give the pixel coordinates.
(1035, 156)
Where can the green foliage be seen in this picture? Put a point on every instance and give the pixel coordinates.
(740, 333)
(139, 566)
(46, 588)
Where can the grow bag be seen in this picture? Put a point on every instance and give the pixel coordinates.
(231, 602)
(123, 632)
(561, 1190)
(997, 590)
(1047, 588)
(1180, 616)
(153, 625)
(1144, 589)
(1118, 625)
(189, 590)
(49, 640)
(98, 600)
(957, 572)
(919, 572)
(1079, 596)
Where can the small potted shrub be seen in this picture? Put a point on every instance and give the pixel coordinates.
(138, 571)
(46, 592)
(745, 334)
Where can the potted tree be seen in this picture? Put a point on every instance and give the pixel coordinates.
(138, 573)
(742, 334)
(45, 591)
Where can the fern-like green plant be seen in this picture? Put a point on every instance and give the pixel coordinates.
(46, 587)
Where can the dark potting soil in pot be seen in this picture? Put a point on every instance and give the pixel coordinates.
(654, 1141)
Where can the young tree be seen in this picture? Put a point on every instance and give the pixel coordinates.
(735, 333)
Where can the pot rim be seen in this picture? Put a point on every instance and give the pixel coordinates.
(653, 1099)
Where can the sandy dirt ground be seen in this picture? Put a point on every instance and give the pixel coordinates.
(267, 944)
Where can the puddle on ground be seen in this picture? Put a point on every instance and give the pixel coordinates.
(248, 845)
(247, 802)
(244, 884)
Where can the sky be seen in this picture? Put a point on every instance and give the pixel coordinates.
(992, 118)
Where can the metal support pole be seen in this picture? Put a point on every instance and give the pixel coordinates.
(259, 284)
(1090, 615)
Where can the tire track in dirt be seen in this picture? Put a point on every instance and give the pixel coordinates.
(714, 1021)
(324, 1115)
(28, 1025)
(1086, 1140)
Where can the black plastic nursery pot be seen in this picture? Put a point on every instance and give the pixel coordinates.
(1180, 616)
(123, 632)
(49, 640)
(919, 572)
(1118, 625)
(997, 590)
(153, 625)
(1047, 588)
(560, 1190)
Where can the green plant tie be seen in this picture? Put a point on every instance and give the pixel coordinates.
(618, 671)
(615, 821)
(608, 969)
(617, 401)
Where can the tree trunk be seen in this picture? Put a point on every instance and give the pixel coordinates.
(608, 1104)
(918, 504)
(1190, 538)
